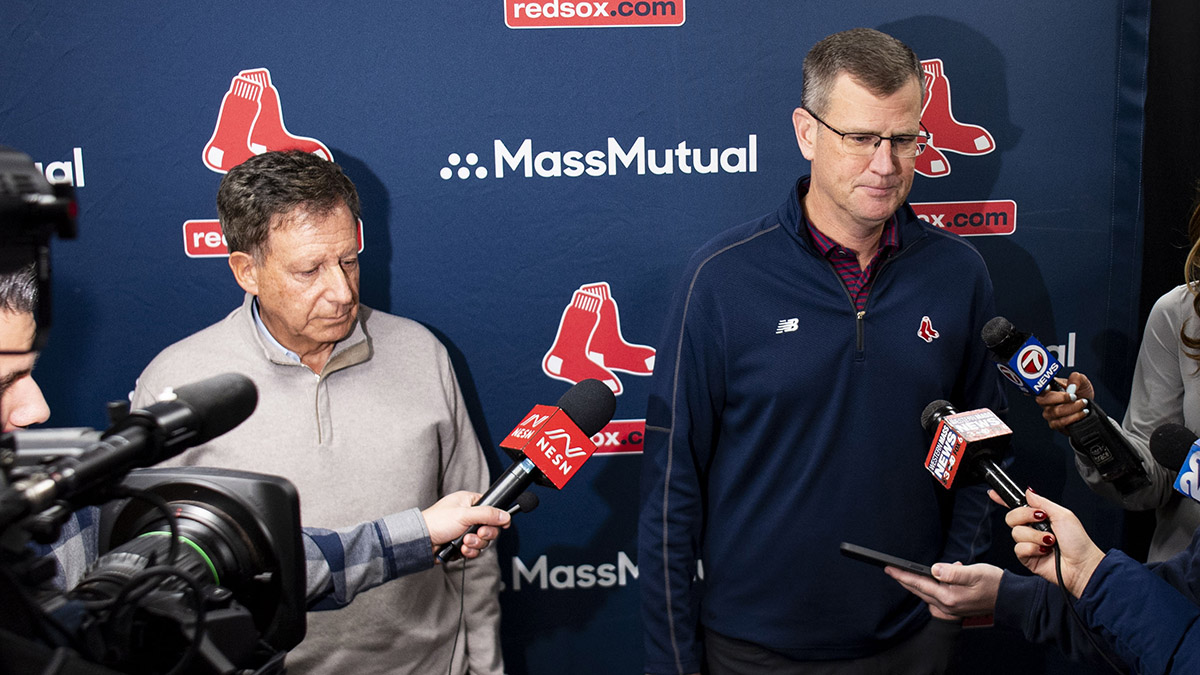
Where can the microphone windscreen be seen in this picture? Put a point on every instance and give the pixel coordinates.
(590, 405)
(1170, 444)
(219, 403)
(1002, 338)
(527, 501)
(934, 412)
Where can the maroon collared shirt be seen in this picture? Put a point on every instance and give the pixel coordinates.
(845, 261)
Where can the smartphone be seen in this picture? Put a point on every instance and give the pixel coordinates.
(883, 560)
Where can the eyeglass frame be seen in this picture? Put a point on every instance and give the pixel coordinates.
(921, 138)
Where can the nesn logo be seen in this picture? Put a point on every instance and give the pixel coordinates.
(787, 326)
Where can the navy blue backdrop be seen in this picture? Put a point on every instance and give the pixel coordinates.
(511, 161)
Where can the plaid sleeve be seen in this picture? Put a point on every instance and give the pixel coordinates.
(343, 563)
(76, 548)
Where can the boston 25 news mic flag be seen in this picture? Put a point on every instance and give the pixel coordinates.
(1028, 364)
(1177, 448)
(548, 447)
(976, 439)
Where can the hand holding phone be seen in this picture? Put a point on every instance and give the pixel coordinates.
(883, 560)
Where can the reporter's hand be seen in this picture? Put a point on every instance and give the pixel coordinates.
(453, 514)
(1035, 548)
(1059, 410)
(957, 591)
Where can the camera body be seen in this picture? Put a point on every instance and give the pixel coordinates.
(229, 599)
(200, 570)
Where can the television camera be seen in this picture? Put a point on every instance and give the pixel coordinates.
(195, 570)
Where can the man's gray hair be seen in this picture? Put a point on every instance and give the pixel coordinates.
(19, 290)
(877, 61)
(274, 184)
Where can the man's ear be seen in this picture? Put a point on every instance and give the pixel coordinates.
(806, 131)
(245, 271)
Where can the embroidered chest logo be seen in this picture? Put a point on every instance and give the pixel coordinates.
(787, 326)
(926, 332)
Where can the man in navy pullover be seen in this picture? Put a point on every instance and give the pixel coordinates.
(784, 416)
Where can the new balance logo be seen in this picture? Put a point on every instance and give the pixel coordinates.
(787, 326)
(926, 331)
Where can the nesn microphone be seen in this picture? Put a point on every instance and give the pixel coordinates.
(1029, 365)
(547, 447)
(977, 439)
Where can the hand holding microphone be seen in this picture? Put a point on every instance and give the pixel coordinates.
(452, 515)
(548, 447)
(1068, 403)
(1034, 547)
(1027, 363)
(977, 440)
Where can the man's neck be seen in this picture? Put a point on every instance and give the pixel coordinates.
(316, 360)
(315, 356)
(862, 238)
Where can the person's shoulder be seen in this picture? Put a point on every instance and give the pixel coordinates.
(386, 330)
(213, 343)
(1173, 308)
(213, 335)
(745, 241)
(380, 324)
(1179, 297)
(939, 241)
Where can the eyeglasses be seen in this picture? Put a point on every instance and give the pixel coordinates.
(905, 146)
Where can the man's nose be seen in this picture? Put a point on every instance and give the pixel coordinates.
(337, 285)
(883, 161)
(27, 405)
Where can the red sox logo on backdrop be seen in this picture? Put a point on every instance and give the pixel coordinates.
(947, 134)
(250, 122)
(589, 343)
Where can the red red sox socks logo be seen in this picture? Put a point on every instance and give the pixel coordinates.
(926, 332)
(945, 132)
(589, 343)
(251, 123)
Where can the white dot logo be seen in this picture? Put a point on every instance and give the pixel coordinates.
(463, 164)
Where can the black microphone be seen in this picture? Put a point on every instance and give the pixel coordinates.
(974, 439)
(1170, 445)
(547, 447)
(1173, 446)
(183, 418)
(526, 502)
(1026, 363)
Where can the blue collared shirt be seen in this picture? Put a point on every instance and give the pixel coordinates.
(262, 328)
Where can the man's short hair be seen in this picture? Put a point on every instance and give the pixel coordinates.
(19, 289)
(877, 61)
(274, 184)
